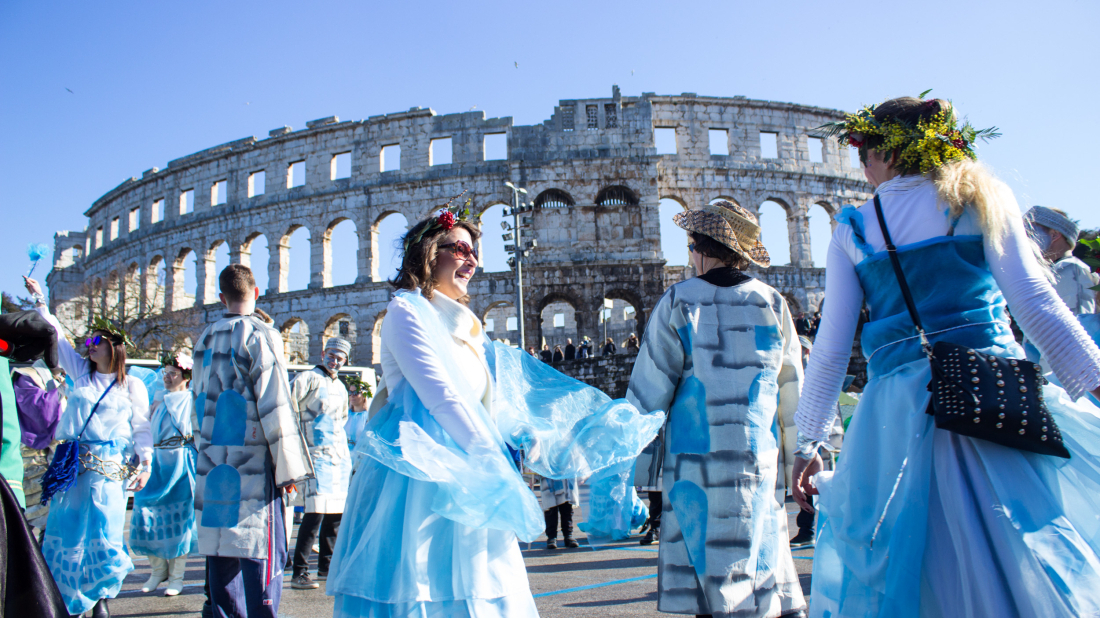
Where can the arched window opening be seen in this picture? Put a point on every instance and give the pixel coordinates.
(343, 253)
(559, 325)
(554, 198)
(821, 233)
(376, 341)
(617, 323)
(130, 307)
(187, 285)
(774, 234)
(674, 239)
(493, 257)
(500, 323)
(296, 341)
(386, 242)
(155, 285)
(299, 249)
(616, 195)
(341, 325)
(258, 259)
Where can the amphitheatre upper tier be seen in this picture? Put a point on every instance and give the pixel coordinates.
(592, 170)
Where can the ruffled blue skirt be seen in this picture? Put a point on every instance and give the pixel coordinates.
(922, 522)
(163, 521)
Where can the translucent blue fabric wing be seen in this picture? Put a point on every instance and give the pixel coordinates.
(567, 428)
(152, 379)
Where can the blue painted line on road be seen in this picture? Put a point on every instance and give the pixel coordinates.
(591, 586)
(803, 557)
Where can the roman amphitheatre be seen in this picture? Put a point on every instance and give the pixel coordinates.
(594, 172)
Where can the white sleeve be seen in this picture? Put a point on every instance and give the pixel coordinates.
(409, 343)
(141, 430)
(70, 360)
(832, 349)
(1042, 315)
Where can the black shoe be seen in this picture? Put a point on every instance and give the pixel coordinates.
(571, 543)
(303, 582)
(99, 610)
(551, 544)
(651, 537)
(322, 574)
(804, 538)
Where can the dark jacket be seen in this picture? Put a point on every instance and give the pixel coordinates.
(570, 352)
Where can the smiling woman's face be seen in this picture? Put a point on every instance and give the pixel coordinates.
(451, 273)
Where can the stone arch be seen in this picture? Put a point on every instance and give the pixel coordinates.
(673, 238)
(335, 272)
(208, 270)
(549, 332)
(383, 245)
(490, 246)
(617, 195)
(554, 198)
(775, 230)
(178, 298)
(792, 303)
(155, 284)
(341, 325)
(726, 197)
(112, 296)
(261, 268)
(131, 304)
(500, 312)
(675, 198)
(634, 299)
(376, 338)
(819, 228)
(285, 260)
(295, 333)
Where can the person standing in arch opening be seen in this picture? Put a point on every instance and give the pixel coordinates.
(436, 484)
(321, 400)
(250, 451)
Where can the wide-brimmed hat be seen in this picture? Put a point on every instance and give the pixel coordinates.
(729, 224)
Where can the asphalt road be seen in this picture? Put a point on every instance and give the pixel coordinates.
(613, 581)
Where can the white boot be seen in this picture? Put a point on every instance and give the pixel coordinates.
(160, 573)
(176, 569)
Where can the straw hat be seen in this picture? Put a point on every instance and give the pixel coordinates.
(729, 224)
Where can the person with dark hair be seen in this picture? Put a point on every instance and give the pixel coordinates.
(250, 452)
(163, 522)
(559, 356)
(546, 355)
(108, 415)
(925, 516)
(570, 350)
(436, 503)
(720, 353)
(609, 347)
(321, 400)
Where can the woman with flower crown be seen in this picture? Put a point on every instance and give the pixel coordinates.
(108, 414)
(920, 521)
(163, 522)
(436, 504)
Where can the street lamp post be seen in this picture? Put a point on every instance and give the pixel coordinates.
(518, 250)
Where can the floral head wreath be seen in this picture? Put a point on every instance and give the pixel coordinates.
(445, 220)
(357, 385)
(927, 144)
(105, 325)
(179, 359)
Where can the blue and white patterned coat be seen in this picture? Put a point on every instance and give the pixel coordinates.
(322, 404)
(726, 363)
(249, 441)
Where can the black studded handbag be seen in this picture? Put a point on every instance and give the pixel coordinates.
(981, 395)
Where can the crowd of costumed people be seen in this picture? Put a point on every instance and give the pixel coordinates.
(966, 482)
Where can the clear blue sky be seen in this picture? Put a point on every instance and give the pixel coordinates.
(154, 81)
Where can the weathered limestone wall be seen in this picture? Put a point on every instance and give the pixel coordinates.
(592, 171)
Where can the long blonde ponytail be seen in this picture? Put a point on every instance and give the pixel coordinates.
(969, 184)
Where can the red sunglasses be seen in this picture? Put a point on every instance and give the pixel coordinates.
(461, 250)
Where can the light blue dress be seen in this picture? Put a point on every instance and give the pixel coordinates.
(83, 544)
(920, 522)
(450, 517)
(163, 520)
(357, 422)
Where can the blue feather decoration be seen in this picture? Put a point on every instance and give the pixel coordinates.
(36, 252)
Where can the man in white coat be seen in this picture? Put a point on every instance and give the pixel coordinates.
(321, 400)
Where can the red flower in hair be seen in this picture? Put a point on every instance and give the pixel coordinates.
(446, 220)
(957, 140)
(852, 141)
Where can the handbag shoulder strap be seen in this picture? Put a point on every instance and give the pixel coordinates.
(905, 293)
(96, 407)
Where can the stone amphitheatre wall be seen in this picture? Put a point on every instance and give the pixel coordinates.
(592, 170)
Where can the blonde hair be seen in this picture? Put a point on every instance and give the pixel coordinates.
(969, 184)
